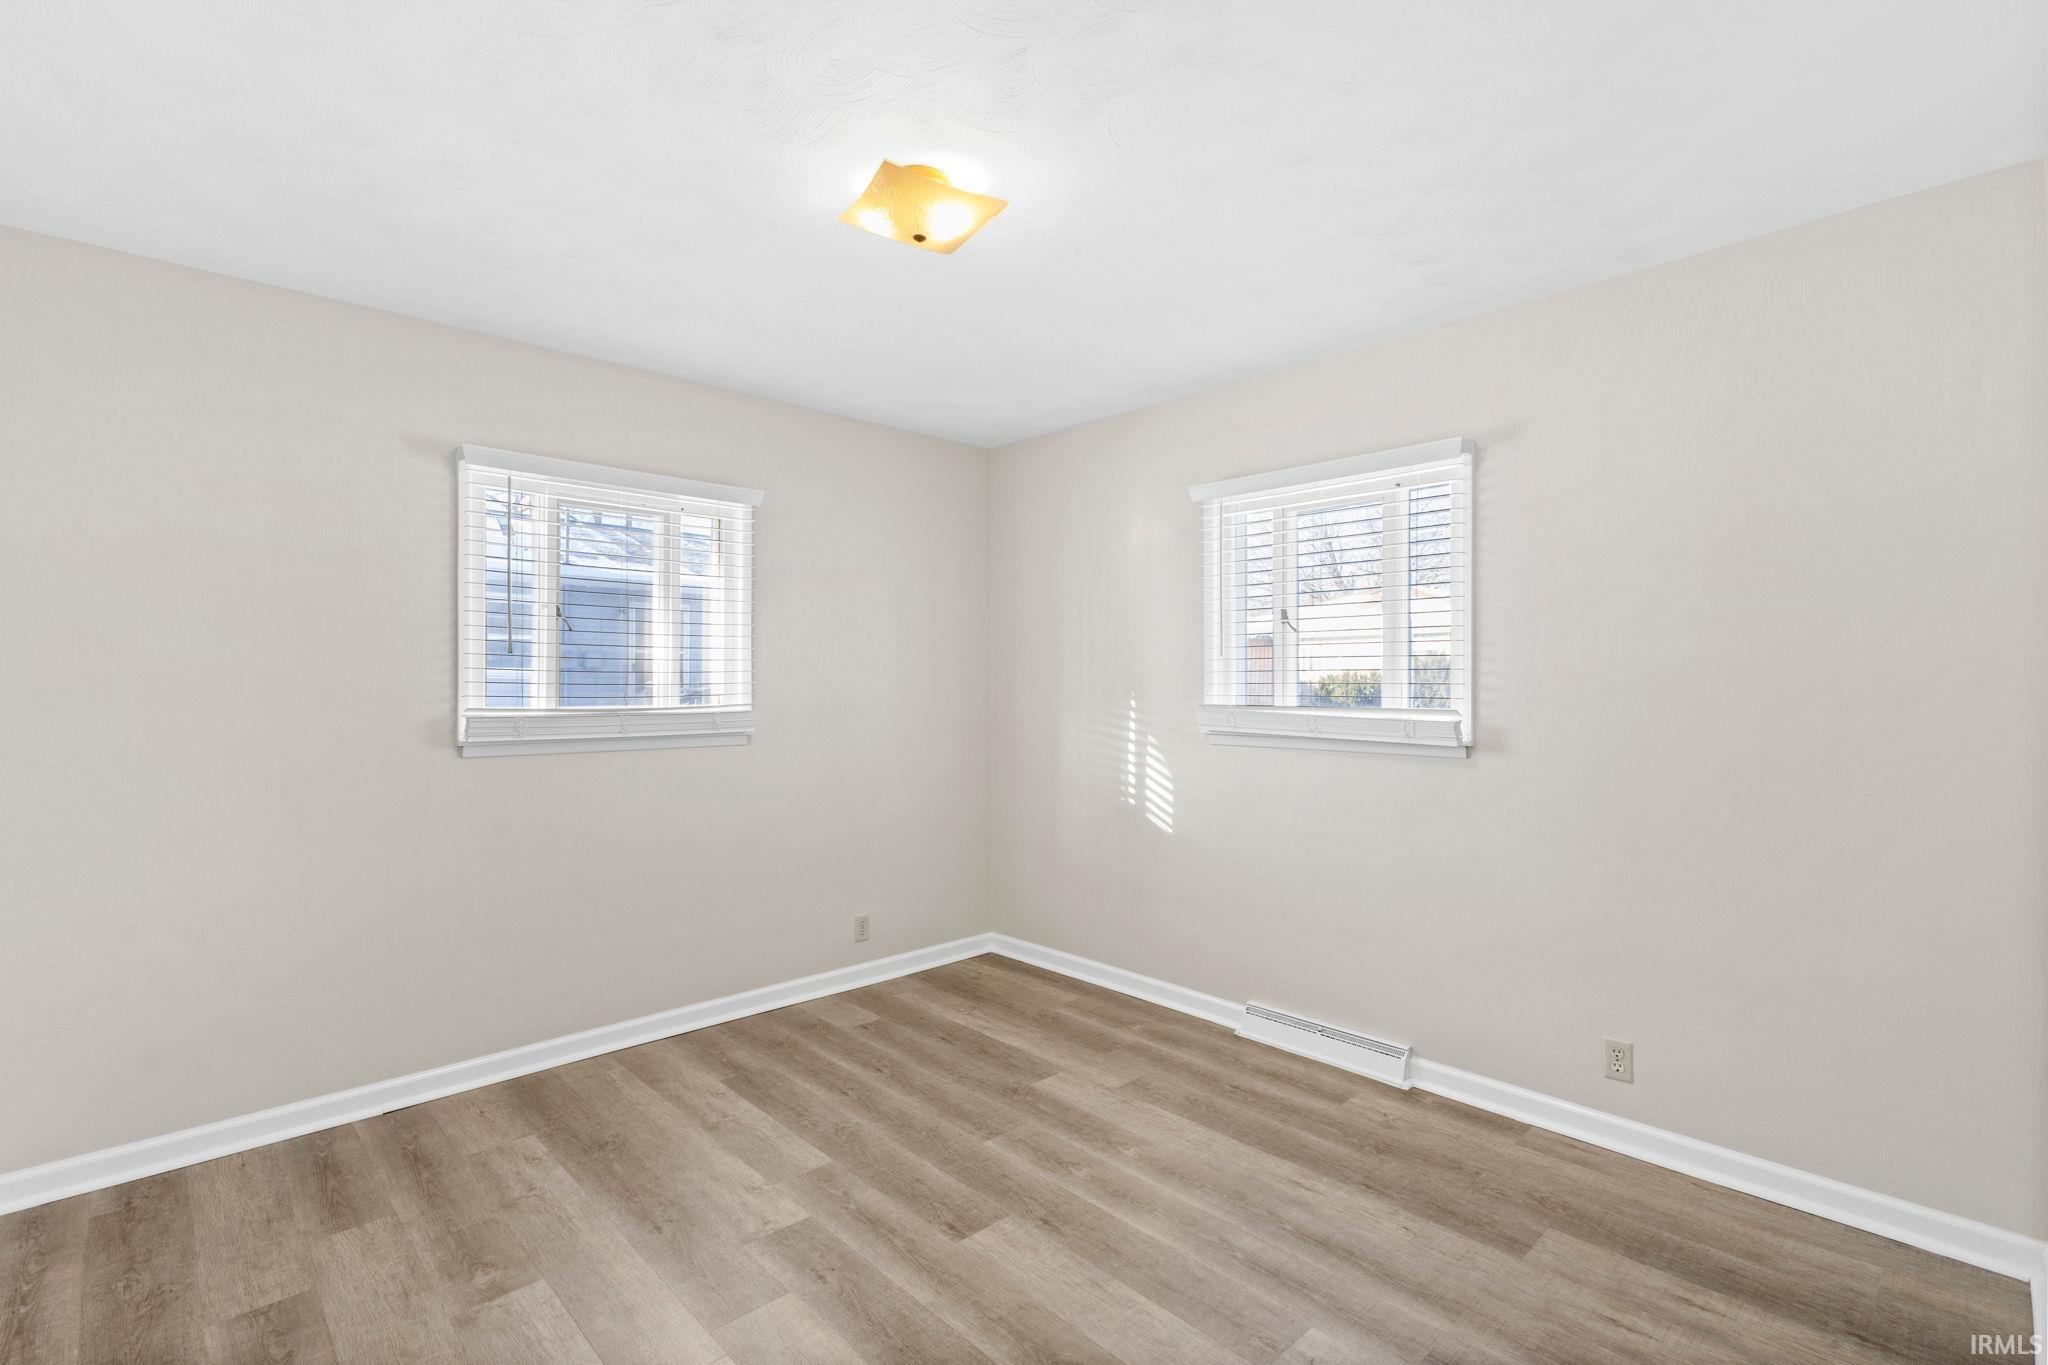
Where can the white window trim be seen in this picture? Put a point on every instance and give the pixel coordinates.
(1380, 729)
(482, 732)
(605, 476)
(1385, 729)
(586, 729)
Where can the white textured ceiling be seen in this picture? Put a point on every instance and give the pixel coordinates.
(1201, 190)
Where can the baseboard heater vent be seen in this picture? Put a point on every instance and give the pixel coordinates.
(1374, 1057)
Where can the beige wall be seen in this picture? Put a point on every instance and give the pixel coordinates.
(1762, 780)
(243, 862)
(1762, 773)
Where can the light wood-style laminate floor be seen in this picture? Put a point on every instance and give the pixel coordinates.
(984, 1162)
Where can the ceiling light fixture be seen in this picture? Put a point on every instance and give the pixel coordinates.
(919, 206)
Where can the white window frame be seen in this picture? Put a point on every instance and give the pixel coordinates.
(545, 726)
(1393, 727)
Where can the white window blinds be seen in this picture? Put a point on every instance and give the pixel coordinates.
(1337, 600)
(601, 608)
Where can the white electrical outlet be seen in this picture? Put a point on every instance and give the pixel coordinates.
(860, 928)
(1621, 1061)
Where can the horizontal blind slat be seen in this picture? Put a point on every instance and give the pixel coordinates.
(1342, 594)
(590, 598)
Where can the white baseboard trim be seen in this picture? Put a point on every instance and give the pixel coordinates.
(2041, 1305)
(1214, 1008)
(96, 1170)
(1944, 1234)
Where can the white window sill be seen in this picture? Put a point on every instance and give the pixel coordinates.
(590, 729)
(1437, 734)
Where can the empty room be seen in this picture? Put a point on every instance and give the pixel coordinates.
(863, 682)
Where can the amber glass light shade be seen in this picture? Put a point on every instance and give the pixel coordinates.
(918, 206)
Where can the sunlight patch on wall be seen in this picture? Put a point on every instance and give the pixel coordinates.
(1147, 781)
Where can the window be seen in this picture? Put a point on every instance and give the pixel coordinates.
(1338, 599)
(600, 608)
